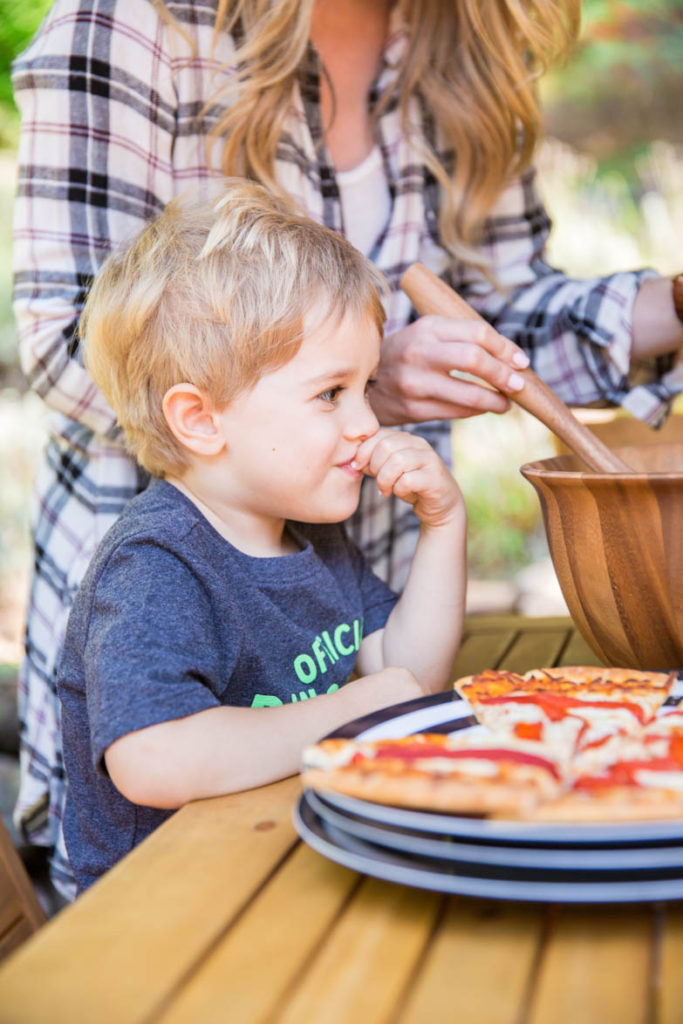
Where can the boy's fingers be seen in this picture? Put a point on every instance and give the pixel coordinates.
(410, 486)
(400, 465)
(366, 448)
(373, 451)
(397, 454)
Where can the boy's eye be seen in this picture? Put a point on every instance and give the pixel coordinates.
(370, 384)
(331, 394)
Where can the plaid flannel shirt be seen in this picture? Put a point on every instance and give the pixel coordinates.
(113, 127)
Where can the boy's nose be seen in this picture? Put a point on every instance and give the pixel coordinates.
(364, 424)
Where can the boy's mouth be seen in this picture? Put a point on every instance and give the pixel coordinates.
(350, 467)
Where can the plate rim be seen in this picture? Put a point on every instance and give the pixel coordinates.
(454, 884)
(606, 859)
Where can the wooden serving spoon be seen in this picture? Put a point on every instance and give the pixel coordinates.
(430, 295)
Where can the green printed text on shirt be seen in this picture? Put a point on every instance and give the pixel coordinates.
(327, 648)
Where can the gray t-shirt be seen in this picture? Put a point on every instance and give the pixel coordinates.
(170, 620)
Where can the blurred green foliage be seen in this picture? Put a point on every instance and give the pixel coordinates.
(19, 19)
(620, 90)
(7, 331)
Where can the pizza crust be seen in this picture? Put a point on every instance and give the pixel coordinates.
(439, 793)
(620, 803)
(580, 681)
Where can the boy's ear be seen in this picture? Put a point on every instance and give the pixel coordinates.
(192, 418)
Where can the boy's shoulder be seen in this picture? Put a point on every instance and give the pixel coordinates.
(158, 510)
(158, 517)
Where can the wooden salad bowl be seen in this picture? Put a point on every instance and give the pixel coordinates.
(616, 541)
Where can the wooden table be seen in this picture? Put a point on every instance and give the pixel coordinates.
(223, 915)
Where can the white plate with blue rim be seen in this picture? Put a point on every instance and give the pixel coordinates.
(482, 880)
(489, 856)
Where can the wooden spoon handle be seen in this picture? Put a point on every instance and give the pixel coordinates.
(429, 294)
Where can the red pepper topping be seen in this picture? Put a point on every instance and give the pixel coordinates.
(600, 740)
(419, 752)
(623, 773)
(676, 748)
(555, 705)
(528, 730)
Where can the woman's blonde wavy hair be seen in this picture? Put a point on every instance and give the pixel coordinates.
(472, 63)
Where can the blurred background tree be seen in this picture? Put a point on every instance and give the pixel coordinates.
(620, 92)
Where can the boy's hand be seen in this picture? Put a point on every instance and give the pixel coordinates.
(406, 465)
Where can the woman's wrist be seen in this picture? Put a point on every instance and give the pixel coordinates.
(657, 328)
(677, 295)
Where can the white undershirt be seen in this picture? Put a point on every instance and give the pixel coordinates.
(365, 201)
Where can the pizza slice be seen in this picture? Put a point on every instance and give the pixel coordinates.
(627, 778)
(570, 744)
(477, 773)
(569, 707)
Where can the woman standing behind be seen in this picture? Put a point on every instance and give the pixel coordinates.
(410, 127)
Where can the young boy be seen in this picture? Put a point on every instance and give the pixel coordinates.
(237, 344)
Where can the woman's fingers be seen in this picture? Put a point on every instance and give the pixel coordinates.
(419, 376)
(484, 335)
(470, 347)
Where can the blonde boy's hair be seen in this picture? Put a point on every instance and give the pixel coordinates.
(213, 293)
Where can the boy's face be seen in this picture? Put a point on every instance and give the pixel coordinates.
(292, 438)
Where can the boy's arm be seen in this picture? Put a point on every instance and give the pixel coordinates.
(424, 629)
(228, 749)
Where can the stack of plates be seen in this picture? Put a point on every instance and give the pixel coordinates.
(569, 863)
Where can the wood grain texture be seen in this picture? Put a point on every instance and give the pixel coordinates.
(456, 983)
(247, 976)
(616, 542)
(118, 952)
(429, 294)
(669, 978)
(596, 968)
(361, 971)
(20, 912)
(534, 650)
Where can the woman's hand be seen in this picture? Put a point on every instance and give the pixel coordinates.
(414, 381)
(406, 465)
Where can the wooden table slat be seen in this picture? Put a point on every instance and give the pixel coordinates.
(535, 650)
(275, 938)
(149, 921)
(669, 980)
(361, 970)
(596, 968)
(481, 650)
(577, 652)
(496, 624)
(481, 990)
